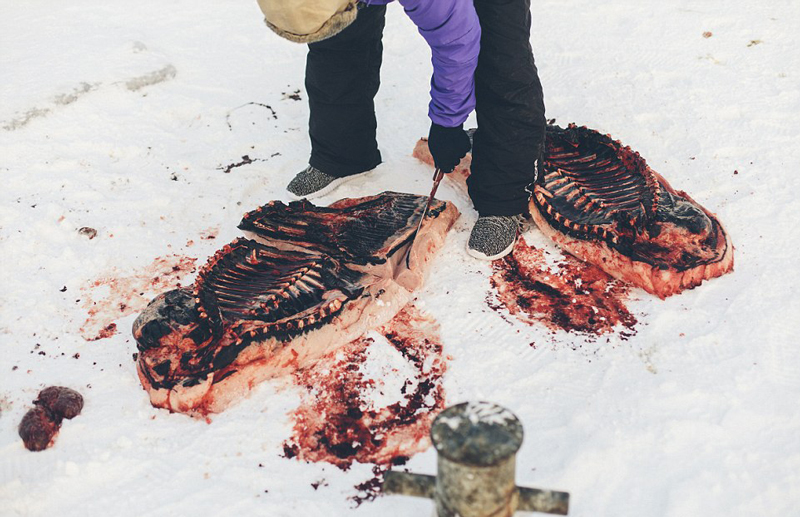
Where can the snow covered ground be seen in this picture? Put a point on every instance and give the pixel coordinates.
(123, 118)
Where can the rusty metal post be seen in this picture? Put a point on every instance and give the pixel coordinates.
(477, 444)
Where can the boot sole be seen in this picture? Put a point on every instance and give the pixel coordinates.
(330, 187)
(482, 256)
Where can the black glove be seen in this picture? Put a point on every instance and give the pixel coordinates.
(448, 145)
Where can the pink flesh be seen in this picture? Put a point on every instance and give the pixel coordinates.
(661, 283)
(390, 288)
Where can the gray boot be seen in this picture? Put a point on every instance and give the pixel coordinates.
(313, 183)
(493, 236)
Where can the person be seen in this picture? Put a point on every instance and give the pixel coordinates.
(482, 60)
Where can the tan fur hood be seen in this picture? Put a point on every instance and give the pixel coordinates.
(307, 21)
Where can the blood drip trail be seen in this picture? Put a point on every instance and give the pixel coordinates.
(112, 297)
(575, 297)
(337, 423)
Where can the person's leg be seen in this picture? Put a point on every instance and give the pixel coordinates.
(342, 78)
(510, 109)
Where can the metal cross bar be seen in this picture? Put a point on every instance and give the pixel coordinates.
(477, 444)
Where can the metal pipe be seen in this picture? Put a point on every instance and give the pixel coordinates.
(477, 443)
(547, 501)
(405, 483)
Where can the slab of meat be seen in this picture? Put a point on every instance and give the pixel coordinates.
(308, 279)
(602, 203)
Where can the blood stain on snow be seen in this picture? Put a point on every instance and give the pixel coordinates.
(336, 424)
(574, 296)
(88, 232)
(5, 404)
(207, 234)
(246, 160)
(210, 233)
(113, 296)
(108, 331)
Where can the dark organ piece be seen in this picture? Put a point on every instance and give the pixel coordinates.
(61, 401)
(40, 425)
(605, 205)
(310, 279)
(38, 429)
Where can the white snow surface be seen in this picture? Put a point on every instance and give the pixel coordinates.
(119, 116)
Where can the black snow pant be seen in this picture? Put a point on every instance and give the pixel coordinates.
(343, 75)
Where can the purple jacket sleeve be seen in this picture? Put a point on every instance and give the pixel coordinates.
(452, 30)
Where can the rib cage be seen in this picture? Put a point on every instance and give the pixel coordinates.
(247, 291)
(599, 201)
(264, 289)
(593, 186)
(341, 230)
(309, 277)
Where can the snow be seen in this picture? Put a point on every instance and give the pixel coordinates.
(389, 369)
(122, 118)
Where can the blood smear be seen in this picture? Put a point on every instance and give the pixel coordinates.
(114, 296)
(574, 296)
(336, 423)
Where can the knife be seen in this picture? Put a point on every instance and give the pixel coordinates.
(437, 178)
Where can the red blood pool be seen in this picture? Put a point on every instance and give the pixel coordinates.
(38, 429)
(336, 424)
(574, 296)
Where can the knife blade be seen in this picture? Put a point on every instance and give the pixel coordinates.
(437, 178)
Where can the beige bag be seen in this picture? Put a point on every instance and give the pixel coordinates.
(307, 21)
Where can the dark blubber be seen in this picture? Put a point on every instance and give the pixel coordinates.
(602, 202)
(41, 424)
(62, 402)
